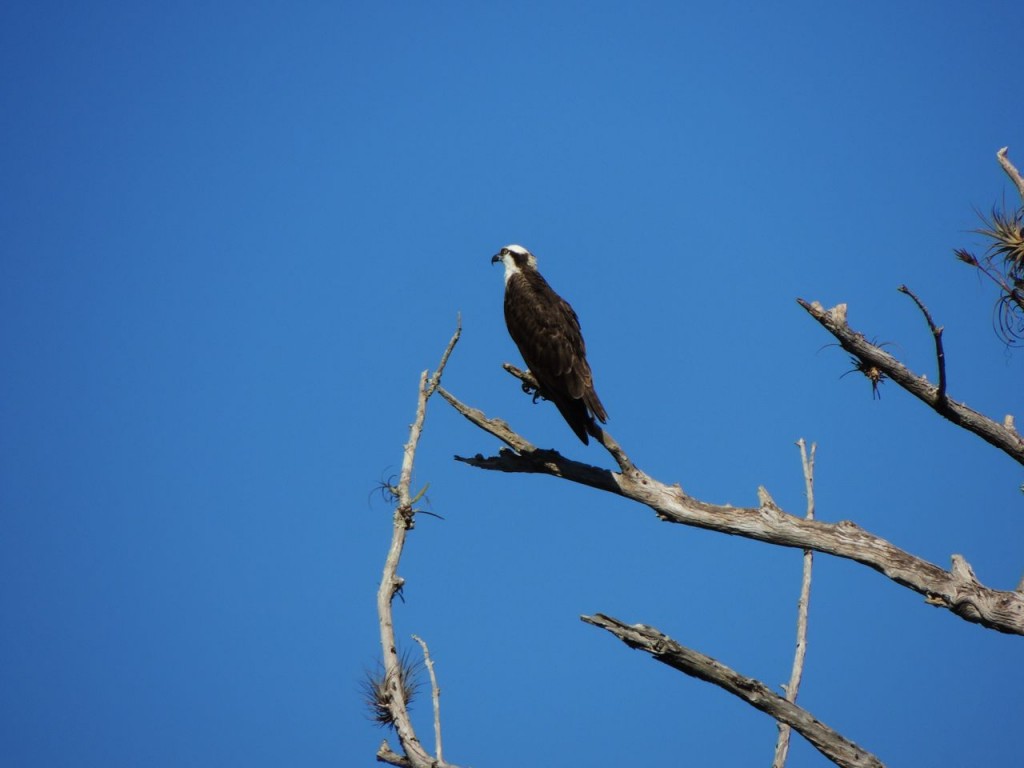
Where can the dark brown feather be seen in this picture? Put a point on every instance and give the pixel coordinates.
(547, 332)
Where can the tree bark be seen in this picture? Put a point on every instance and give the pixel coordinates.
(956, 590)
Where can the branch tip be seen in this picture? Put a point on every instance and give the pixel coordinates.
(936, 397)
(435, 692)
(940, 355)
(1004, 160)
(963, 570)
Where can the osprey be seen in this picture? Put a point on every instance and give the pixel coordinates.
(547, 332)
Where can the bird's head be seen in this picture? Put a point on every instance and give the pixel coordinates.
(515, 258)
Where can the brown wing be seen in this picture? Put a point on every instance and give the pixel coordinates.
(547, 332)
(581, 381)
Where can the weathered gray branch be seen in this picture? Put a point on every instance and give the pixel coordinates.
(1011, 171)
(833, 745)
(385, 754)
(802, 609)
(1002, 436)
(956, 589)
(435, 695)
(393, 697)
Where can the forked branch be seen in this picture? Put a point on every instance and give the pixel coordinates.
(830, 743)
(392, 692)
(957, 589)
(1002, 436)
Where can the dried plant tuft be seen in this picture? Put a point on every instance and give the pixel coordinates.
(873, 373)
(377, 687)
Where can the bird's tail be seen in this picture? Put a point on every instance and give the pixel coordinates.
(578, 417)
(595, 407)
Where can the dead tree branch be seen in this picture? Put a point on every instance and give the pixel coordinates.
(1003, 437)
(385, 754)
(392, 690)
(1011, 171)
(435, 695)
(940, 354)
(957, 589)
(802, 607)
(833, 745)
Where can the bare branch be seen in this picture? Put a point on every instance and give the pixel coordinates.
(435, 693)
(435, 380)
(953, 590)
(834, 321)
(808, 465)
(940, 355)
(497, 427)
(830, 743)
(1011, 171)
(416, 429)
(415, 754)
(803, 604)
(386, 755)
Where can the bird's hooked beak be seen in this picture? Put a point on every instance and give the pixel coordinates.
(495, 258)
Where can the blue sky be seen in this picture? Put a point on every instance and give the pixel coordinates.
(233, 234)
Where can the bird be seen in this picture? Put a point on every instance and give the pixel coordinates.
(547, 332)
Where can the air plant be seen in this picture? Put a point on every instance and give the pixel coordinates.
(871, 372)
(1003, 264)
(377, 687)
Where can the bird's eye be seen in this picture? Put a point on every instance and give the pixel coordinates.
(504, 251)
